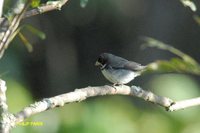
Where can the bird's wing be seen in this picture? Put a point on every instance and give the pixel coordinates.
(121, 63)
(117, 62)
(133, 66)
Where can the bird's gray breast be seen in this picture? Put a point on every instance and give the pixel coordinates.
(119, 76)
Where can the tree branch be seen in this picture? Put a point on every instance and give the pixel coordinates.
(3, 104)
(10, 120)
(7, 30)
(1, 7)
(82, 94)
(4, 126)
(49, 6)
(184, 104)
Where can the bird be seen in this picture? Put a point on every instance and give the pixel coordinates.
(118, 70)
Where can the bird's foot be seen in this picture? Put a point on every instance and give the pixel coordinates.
(115, 85)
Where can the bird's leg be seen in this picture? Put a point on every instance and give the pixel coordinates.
(113, 85)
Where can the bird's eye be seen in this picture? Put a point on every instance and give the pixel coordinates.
(100, 60)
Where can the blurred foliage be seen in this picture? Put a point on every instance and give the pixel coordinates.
(35, 3)
(17, 96)
(25, 41)
(14, 7)
(34, 31)
(184, 64)
(14, 15)
(175, 86)
(83, 3)
(196, 19)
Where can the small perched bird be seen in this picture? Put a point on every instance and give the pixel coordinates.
(117, 69)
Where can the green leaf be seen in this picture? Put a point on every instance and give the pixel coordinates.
(35, 31)
(175, 65)
(26, 42)
(196, 19)
(150, 42)
(184, 64)
(35, 3)
(83, 3)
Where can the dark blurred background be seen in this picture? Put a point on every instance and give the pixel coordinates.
(75, 37)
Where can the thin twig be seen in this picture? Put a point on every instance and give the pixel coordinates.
(49, 6)
(184, 104)
(8, 35)
(1, 7)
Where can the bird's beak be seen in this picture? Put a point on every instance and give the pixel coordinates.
(97, 63)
